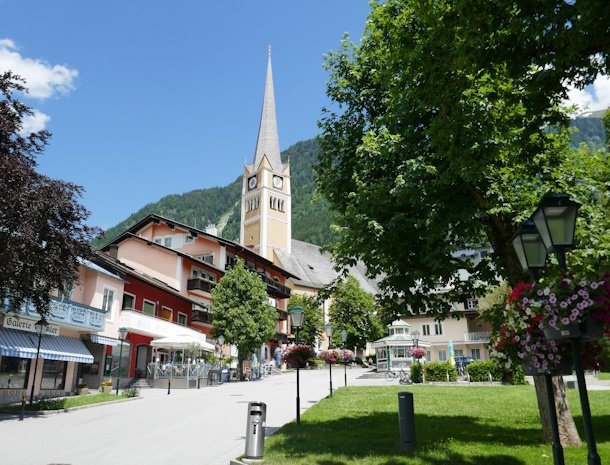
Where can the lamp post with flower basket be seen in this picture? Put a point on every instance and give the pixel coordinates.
(297, 315)
(560, 309)
(343, 339)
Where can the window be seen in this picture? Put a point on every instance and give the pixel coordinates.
(167, 242)
(166, 313)
(459, 352)
(66, 294)
(442, 355)
(438, 329)
(425, 329)
(428, 356)
(476, 354)
(471, 304)
(189, 240)
(148, 307)
(129, 301)
(13, 372)
(207, 258)
(107, 302)
(53, 374)
(182, 319)
(399, 331)
(158, 241)
(199, 273)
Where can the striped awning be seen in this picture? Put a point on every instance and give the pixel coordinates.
(16, 343)
(65, 348)
(24, 345)
(104, 340)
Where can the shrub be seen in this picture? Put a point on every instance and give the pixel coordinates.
(131, 392)
(479, 371)
(47, 404)
(417, 371)
(516, 376)
(437, 371)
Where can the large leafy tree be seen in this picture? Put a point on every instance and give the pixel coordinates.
(446, 132)
(312, 322)
(241, 312)
(42, 230)
(354, 311)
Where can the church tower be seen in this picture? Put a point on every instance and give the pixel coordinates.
(265, 200)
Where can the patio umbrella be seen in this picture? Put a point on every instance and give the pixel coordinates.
(182, 341)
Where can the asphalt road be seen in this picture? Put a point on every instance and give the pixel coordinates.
(187, 427)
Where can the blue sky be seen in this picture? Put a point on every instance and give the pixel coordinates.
(149, 98)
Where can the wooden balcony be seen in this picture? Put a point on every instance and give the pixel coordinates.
(200, 284)
(274, 288)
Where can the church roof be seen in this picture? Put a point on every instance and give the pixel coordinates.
(315, 268)
(268, 143)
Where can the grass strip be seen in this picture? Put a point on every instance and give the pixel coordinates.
(491, 425)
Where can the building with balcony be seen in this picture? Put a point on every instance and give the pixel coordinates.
(71, 349)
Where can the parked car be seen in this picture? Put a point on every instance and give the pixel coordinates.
(463, 362)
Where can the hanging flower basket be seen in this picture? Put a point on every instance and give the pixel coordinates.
(562, 332)
(564, 367)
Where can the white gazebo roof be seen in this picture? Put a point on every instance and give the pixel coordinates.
(398, 340)
(182, 341)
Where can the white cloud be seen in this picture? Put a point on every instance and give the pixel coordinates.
(43, 80)
(34, 123)
(593, 97)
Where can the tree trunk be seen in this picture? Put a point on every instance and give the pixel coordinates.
(567, 428)
(240, 366)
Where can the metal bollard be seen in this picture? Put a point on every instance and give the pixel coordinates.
(406, 420)
(21, 415)
(255, 430)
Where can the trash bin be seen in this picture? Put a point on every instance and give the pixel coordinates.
(255, 430)
(225, 375)
(406, 420)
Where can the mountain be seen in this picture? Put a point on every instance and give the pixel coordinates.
(311, 217)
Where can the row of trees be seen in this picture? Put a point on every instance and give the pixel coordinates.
(243, 316)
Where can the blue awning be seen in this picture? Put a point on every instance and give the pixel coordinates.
(65, 348)
(105, 340)
(21, 344)
(15, 343)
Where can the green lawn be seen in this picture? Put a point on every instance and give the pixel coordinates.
(64, 402)
(454, 425)
(603, 376)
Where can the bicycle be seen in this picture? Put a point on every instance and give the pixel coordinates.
(403, 376)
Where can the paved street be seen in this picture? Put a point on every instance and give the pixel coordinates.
(187, 427)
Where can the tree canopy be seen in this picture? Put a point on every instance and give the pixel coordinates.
(439, 141)
(42, 230)
(354, 311)
(312, 322)
(240, 310)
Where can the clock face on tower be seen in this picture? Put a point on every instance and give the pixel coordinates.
(252, 182)
(278, 182)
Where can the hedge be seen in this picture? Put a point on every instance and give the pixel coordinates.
(436, 371)
(479, 371)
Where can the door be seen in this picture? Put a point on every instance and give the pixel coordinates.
(142, 359)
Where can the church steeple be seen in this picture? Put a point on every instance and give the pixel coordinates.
(268, 143)
(266, 202)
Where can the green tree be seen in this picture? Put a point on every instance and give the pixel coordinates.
(312, 323)
(42, 231)
(445, 134)
(241, 312)
(354, 311)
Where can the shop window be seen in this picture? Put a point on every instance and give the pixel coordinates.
(13, 372)
(53, 374)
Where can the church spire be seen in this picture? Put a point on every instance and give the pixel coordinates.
(268, 143)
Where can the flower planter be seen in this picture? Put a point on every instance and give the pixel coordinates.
(564, 368)
(590, 329)
(106, 389)
(563, 333)
(82, 391)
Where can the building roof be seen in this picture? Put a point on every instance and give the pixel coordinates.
(268, 143)
(315, 268)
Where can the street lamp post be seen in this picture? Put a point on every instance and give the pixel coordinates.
(415, 336)
(297, 315)
(122, 336)
(328, 327)
(555, 219)
(40, 327)
(343, 339)
(531, 252)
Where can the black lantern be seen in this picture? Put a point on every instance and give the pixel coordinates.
(555, 219)
(529, 247)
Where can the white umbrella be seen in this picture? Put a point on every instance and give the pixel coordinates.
(182, 341)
